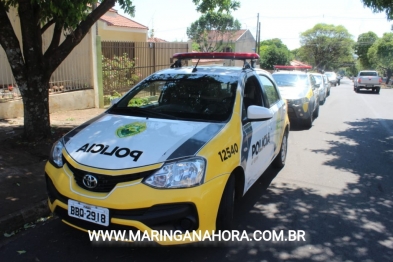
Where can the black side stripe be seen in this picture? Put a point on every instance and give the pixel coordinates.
(76, 130)
(196, 142)
(246, 143)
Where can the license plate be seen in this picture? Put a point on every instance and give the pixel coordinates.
(369, 85)
(97, 215)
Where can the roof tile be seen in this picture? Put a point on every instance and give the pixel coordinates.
(234, 35)
(112, 18)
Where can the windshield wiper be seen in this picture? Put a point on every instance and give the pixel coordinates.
(144, 111)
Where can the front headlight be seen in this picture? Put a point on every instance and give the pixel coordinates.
(180, 174)
(299, 102)
(56, 156)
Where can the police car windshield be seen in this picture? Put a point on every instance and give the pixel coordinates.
(318, 79)
(291, 80)
(183, 96)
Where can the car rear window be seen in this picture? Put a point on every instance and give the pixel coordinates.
(368, 74)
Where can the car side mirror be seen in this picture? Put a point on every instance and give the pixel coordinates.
(258, 113)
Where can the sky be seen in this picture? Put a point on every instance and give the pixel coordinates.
(283, 19)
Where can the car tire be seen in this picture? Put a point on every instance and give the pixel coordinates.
(279, 161)
(307, 123)
(225, 213)
(378, 90)
(357, 89)
(316, 112)
(322, 101)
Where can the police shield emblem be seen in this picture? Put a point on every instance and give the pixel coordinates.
(131, 129)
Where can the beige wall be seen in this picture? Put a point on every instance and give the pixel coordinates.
(76, 70)
(6, 76)
(246, 44)
(60, 102)
(121, 36)
(112, 33)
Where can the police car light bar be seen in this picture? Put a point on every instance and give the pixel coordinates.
(285, 67)
(217, 55)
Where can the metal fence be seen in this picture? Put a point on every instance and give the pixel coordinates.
(124, 64)
(74, 73)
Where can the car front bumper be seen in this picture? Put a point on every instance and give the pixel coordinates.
(298, 111)
(138, 207)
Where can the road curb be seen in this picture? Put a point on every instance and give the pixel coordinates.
(16, 220)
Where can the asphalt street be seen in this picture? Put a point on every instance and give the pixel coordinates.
(336, 187)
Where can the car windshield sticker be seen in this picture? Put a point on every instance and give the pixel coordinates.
(131, 129)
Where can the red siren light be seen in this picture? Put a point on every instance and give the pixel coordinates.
(217, 55)
(287, 67)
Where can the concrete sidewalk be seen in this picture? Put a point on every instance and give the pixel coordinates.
(22, 181)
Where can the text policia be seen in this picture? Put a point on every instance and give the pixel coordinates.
(178, 236)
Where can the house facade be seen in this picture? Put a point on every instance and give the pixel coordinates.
(232, 41)
(114, 27)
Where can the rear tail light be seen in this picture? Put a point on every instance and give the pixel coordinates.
(359, 80)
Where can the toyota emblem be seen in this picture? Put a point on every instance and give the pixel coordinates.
(90, 181)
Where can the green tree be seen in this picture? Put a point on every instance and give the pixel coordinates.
(381, 54)
(380, 6)
(273, 52)
(204, 6)
(195, 47)
(118, 73)
(365, 41)
(295, 53)
(326, 46)
(32, 67)
(213, 31)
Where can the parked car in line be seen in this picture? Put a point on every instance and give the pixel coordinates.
(367, 80)
(322, 87)
(301, 92)
(332, 78)
(327, 84)
(173, 153)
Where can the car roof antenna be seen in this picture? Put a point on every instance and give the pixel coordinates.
(195, 68)
(246, 65)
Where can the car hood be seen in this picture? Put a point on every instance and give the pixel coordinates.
(120, 142)
(290, 92)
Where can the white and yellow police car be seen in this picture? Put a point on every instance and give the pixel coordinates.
(174, 152)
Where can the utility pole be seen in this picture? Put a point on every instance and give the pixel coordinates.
(259, 37)
(256, 35)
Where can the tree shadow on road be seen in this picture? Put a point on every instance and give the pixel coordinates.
(353, 225)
